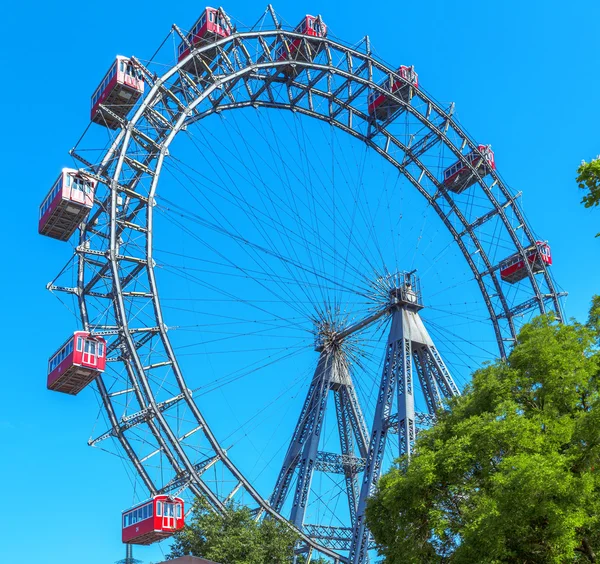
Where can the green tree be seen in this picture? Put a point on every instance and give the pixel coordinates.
(588, 178)
(511, 472)
(594, 317)
(236, 538)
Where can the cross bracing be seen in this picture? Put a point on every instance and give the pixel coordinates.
(116, 283)
(339, 463)
(339, 538)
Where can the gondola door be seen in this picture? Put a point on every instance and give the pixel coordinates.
(89, 353)
(169, 515)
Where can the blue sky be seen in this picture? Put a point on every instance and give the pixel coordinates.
(523, 77)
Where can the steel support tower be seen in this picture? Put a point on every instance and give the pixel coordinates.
(410, 353)
(303, 456)
(410, 350)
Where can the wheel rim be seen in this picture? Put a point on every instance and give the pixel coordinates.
(131, 169)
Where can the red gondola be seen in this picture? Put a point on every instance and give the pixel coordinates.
(210, 27)
(513, 268)
(382, 107)
(77, 363)
(302, 49)
(119, 90)
(153, 520)
(459, 177)
(67, 204)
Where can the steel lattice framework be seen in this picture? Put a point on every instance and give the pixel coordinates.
(116, 284)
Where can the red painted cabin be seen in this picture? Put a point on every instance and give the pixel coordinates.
(381, 106)
(153, 520)
(66, 205)
(119, 90)
(459, 177)
(77, 363)
(514, 269)
(210, 27)
(302, 49)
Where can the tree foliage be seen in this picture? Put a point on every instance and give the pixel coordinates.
(588, 178)
(236, 538)
(511, 472)
(594, 317)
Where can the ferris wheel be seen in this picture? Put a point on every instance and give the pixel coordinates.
(296, 346)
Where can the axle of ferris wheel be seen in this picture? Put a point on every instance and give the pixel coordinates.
(393, 292)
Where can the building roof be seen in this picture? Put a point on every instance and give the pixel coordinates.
(189, 560)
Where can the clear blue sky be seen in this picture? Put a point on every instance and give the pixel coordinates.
(524, 76)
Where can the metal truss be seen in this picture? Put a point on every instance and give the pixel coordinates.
(116, 285)
(303, 456)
